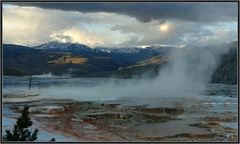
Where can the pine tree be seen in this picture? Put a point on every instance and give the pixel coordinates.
(21, 131)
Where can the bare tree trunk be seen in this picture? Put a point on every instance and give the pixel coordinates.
(30, 81)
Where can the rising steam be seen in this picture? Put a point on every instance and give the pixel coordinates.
(185, 76)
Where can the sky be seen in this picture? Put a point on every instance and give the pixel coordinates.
(120, 24)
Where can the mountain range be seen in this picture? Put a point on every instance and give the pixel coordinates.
(80, 60)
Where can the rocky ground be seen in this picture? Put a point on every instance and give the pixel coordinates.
(112, 121)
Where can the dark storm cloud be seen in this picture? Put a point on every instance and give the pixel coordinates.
(201, 11)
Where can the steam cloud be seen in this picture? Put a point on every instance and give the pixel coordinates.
(185, 76)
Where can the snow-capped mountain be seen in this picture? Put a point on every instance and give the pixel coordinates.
(129, 55)
(132, 50)
(54, 45)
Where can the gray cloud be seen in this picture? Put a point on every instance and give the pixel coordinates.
(145, 12)
(63, 38)
(23, 24)
(179, 33)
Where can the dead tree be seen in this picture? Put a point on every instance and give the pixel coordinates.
(30, 81)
